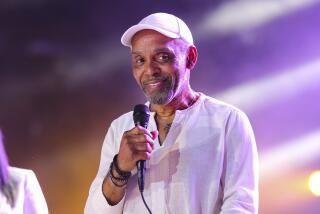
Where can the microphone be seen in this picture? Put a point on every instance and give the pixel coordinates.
(141, 114)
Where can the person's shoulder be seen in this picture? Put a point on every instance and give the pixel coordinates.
(124, 117)
(124, 120)
(224, 110)
(219, 105)
(21, 174)
(20, 171)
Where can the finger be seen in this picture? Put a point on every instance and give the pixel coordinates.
(142, 147)
(154, 134)
(139, 155)
(145, 139)
(140, 141)
(149, 140)
(141, 138)
(141, 130)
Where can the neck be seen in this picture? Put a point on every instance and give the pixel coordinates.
(180, 102)
(165, 113)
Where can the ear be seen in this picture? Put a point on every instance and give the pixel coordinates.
(192, 56)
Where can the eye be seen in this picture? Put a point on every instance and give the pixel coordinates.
(163, 57)
(138, 60)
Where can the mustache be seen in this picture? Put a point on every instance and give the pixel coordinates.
(154, 79)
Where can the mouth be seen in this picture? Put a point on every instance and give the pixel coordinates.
(153, 83)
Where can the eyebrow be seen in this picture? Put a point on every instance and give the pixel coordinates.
(163, 50)
(135, 52)
(158, 50)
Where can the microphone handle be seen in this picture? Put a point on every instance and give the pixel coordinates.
(141, 166)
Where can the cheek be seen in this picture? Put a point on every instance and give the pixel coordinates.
(178, 79)
(136, 75)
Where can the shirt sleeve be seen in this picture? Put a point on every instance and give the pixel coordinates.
(34, 201)
(96, 203)
(240, 170)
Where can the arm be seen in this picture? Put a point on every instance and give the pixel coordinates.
(240, 172)
(105, 195)
(96, 202)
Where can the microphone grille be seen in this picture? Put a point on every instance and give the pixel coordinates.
(141, 114)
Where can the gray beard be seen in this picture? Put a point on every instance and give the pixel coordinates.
(161, 98)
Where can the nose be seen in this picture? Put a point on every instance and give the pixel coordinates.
(151, 68)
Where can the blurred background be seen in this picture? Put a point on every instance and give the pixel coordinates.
(64, 76)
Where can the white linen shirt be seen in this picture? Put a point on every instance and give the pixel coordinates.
(208, 163)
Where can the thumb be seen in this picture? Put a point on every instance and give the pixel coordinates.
(154, 134)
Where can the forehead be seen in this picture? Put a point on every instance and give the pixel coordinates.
(150, 39)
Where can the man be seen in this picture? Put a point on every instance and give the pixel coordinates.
(201, 155)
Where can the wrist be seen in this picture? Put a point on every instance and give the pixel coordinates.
(109, 194)
(117, 182)
(116, 176)
(122, 173)
(114, 185)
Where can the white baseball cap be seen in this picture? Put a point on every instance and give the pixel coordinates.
(164, 23)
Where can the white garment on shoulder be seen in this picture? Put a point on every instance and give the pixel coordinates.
(29, 198)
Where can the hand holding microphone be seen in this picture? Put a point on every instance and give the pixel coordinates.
(137, 143)
(135, 148)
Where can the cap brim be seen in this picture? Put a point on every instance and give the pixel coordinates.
(127, 36)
